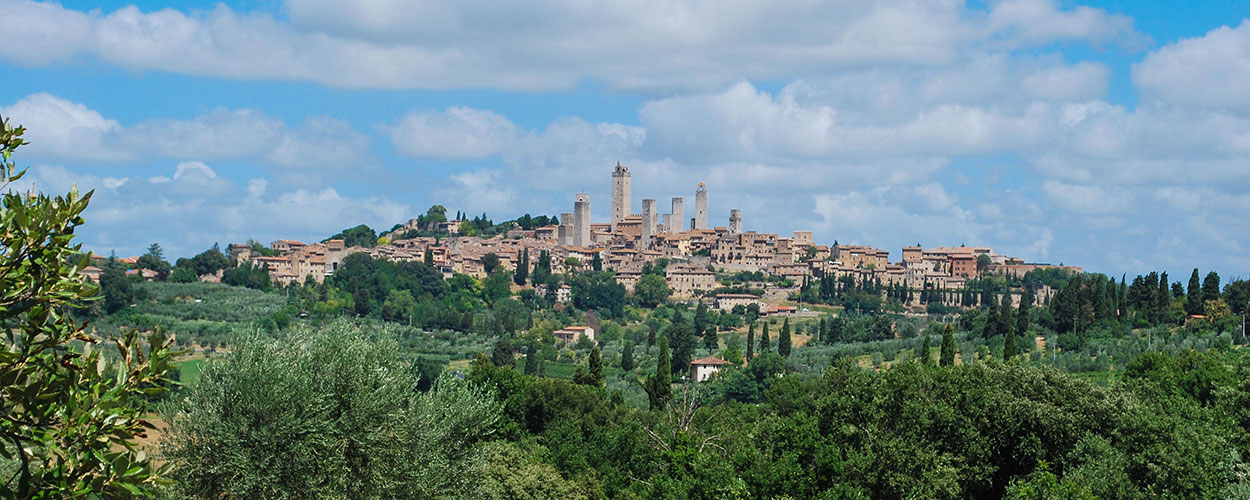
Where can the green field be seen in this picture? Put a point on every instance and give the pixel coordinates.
(189, 370)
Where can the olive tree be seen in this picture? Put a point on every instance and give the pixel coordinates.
(332, 412)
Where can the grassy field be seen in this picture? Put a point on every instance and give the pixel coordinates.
(189, 370)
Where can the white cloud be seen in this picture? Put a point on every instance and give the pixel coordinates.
(59, 129)
(546, 45)
(321, 143)
(193, 208)
(1039, 22)
(222, 133)
(64, 130)
(1210, 71)
(455, 133)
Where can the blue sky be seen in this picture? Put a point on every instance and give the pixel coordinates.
(1110, 135)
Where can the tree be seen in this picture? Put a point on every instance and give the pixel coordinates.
(1010, 349)
(209, 261)
(71, 416)
(651, 290)
(359, 236)
(490, 262)
(983, 263)
(1210, 287)
(947, 356)
(532, 358)
(183, 274)
(596, 367)
(1022, 316)
(428, 258)
(154, 260)
(680, 335)
(783, 339)
(627, 356)
(398, 306)
(711, 340)
(325, 413)
(700, 319)
(764, 340)
(660, 386)
(117, 290)
(926, 352)
(750, 342)
(522, 268)
(596, 262)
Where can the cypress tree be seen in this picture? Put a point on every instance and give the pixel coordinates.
(1210, 288)
(429, 257)
(750, 341)
(700, 319)
(1009, 347)
(710, 339)
(926, 352)
(1022, 316)
(531, 359)
(764, 340)
(522, 268)
(627, 356)
(660, 387)
(783, 340)
(947, 357)
(822, 335)
(596, 367)
(1193, 299)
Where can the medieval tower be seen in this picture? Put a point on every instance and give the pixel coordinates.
(700, 207)
(581, 220)
(620, 194)
(735, 221)
(648, 220)
(677, 217)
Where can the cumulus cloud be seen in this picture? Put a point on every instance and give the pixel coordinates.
(455, 133)
(1210, 71)
(653, 45)
(192, 208)
(63, 130)
(60, 129)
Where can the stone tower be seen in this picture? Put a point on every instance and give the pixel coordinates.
(700, 207)
(581, 220)
(735, 221)
(648, 221)
(565, 231)
(678, 216)
(620, 194)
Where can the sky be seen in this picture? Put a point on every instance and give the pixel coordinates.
(1110, 135)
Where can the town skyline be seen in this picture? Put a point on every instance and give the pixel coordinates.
(1101, 135)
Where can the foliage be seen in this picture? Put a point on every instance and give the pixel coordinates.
(324, 413)
(359, 236)
(71, 417)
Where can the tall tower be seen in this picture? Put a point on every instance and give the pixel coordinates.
(678, 216)
(581, 220)
(620, 194)
(565, 231)
(735, 221)
(648, 221)
(700, 207)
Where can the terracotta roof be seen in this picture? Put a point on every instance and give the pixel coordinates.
(709, 361)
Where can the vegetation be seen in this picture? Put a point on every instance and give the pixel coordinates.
(71, 416)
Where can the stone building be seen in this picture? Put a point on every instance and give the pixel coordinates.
(581, 220)
(700, 207)
(735, 221)
(621, 180)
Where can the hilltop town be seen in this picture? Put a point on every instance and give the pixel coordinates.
(692, 251)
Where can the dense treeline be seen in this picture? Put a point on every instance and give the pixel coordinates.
(1175, 428)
